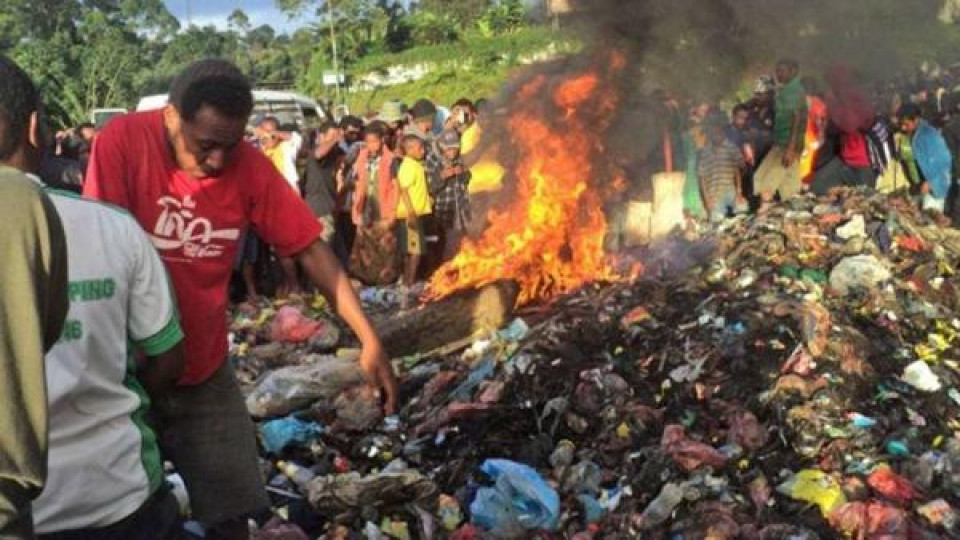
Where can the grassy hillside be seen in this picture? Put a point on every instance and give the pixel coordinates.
(474, 67)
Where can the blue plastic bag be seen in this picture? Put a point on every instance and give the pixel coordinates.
(283, 432)
(520, 501)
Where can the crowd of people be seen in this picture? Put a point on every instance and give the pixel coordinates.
(391, 191)
(126, 300)
(799, 134)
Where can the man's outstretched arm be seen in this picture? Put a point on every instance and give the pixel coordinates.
(321, 265)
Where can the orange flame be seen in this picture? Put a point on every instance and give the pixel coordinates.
(550, 237)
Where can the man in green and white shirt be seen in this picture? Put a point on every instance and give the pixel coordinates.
(105, 477)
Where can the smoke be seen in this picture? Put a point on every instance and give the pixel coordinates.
(712, 51)
(707, 49)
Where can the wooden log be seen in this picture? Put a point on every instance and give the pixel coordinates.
(457, 317)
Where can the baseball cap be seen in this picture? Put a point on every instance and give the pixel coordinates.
(449, 139)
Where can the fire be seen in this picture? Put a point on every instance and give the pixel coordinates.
(550, 236)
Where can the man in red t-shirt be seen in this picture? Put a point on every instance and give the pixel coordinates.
(194, 185)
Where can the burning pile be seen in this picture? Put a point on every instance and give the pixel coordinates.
(797, 377)
(549, 237)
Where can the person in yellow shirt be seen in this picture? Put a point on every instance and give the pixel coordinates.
(282, 149)
(481, 156)
(413, 206)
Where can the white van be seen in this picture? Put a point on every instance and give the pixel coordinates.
(100, 117)
(287, 107)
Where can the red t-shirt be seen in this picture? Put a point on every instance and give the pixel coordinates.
(196, 225)
(854, 151)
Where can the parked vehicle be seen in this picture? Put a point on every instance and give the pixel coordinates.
(288, 107)
(100, 117)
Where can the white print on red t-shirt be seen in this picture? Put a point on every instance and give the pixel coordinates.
(177, 228)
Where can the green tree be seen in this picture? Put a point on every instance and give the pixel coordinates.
(503, 17)
(239, 21)
(87, 54)
(463, 13)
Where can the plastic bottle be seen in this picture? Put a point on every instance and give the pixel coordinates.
(179, 490)
(301, 476)
(660, 509)
(562, 457)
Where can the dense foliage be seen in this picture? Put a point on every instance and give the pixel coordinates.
(107, 53)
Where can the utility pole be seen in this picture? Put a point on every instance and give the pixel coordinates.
(333, 41)
(189, 14)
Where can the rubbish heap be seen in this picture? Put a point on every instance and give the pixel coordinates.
(794, 375)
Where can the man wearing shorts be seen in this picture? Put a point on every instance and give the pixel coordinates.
(195, 186)
(780, 170)
(412, 207)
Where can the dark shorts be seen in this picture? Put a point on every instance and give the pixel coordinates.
(206, 431)
(410, 236)
(249, 250)
(157, 519)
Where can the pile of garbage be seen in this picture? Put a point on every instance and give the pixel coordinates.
(794, 375)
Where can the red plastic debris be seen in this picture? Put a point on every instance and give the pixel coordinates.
(910, 243)
(891, 485)
(687, 453)
(291, 326)
(870, 520)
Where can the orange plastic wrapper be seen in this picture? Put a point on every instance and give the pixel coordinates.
(910, 243)
(870, 521)
(891, 485)
(687, 453)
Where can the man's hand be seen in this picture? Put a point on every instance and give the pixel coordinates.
(379, 373)
(925, 188)
(323, 268)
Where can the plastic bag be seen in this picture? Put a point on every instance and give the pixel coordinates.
(291, 326)
(358, 408)
(350, 493)
(939, 512)
(920, 376)
(295, 387)
(816, 487)
(870, 520)
(891, 485)
(276, 529)
(520, 501)
(861, 271)
(660, 508)
(281, 433)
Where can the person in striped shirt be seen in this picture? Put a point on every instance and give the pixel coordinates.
(720, 170)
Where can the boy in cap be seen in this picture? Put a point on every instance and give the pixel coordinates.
(449, 182)
(413, 206)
